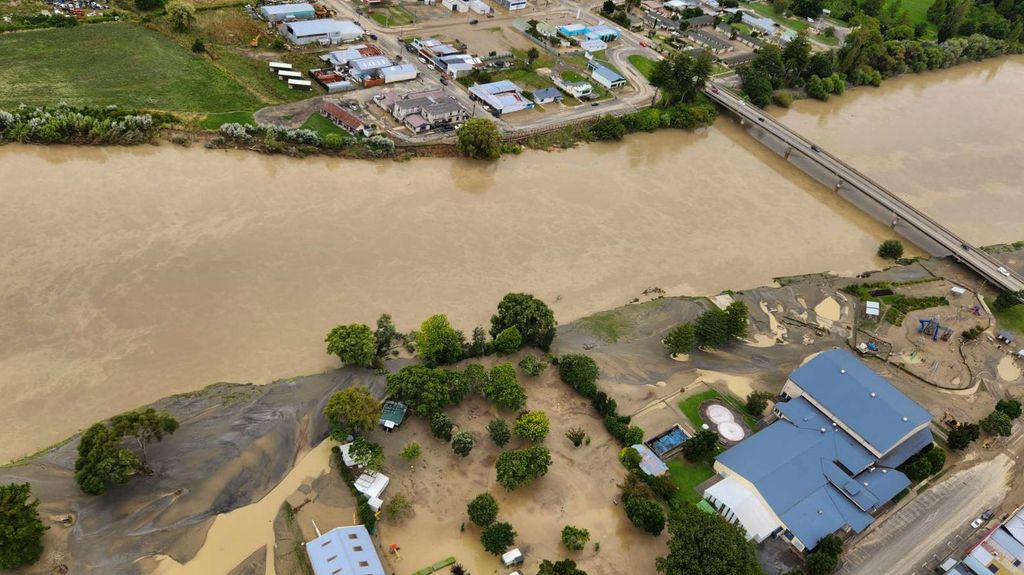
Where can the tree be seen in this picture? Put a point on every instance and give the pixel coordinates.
(102, 461)
(411, 451)
(997, 423)
(757, 85)
(962, 436)
(532, 366)
(780, 6)
(563, 567)
(148, 5)
(713, 328)
(478, 345)
(608, 7)
(757, 401)
(701, 446)
(820, 65)
(441, 426)
(478, 138)
(633, 435)
(575, 538)
(425, 390)
(891, 249)
(1011, 407)
(21, 530)
(508, 341)
(576, 435)
(353, 344)
(398, 507)
(808, 8)
(476, 376)
(458, 386)
(821, 563)
(531, 316)
(579, 371)
(532, 54)
(503, 389)
(795, 57)
(916, 468)
(514, 468)
(462, 443)
(603, 404)
(532, 426)
(352, 410)
(706, 544)
(198, 47)
(681, 77)
(182, 15)
(499, 432)
(145, 426)
(483, 509)
(497, 537)
(645, 513)
(437, 342)
(1006, 300)
(737, 312)
(384, 336)
(608, 127)
(816, 89)
(681, 339)
(367, 454)
(936, 458)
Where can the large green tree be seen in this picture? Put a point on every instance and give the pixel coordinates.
(645, 513)
(706, 544)
(462, 443)
(563, 567)
(144, 426)
(384, 336)
(354, 344)
(483, 509)
(681, 77)
(713, 328)
(580, 372)
(21, 530)
(737, 312)
(497, 537)
(531, 316)
(478, 138)
(514, 468)
(503, 388)
(963, 435)
(997, 423)
(437, 342)
(681, 339)
(352, 410)
(102, 461)
(425, 390)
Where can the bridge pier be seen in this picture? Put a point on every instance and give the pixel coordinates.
(789, 150)
(839, 184)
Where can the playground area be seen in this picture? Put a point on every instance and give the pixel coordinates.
(724, 420)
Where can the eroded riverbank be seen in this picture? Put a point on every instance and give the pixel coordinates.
(131, 274)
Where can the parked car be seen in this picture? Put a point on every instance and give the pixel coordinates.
(977, 523)
(513, 557)
(1003, 271)
(444, 81)
(987, 515)
(372, 36)
(423, 60)
(474, 21)
(594, 104)
(815, 147)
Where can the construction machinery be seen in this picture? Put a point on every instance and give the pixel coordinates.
(949, 420)
(255, 42)
(322, 11)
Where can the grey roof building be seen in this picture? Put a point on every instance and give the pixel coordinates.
(829, 462)
(344, 551)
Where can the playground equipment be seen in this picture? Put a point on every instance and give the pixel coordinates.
(931, 327)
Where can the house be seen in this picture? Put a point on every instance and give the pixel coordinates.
(573, 30)
(658, 20)
(513, 4)
(372, 485)
(460, 6)
(479, 7)
(709, 41)
(547, 95)
(282, 12)
(574, 89)
(503, 97)
(704, 21)
(1001, 550)
(650, 463)
(399, 73)
(421, 112)
(368, 66)
(828, 463)
(680, 5)
(344, 550)
(344, 119)
(324, 31)
(605, 76)
(736, 60)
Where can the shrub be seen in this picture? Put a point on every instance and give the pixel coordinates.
(182, 15)
(997, 423)
(962, 436)
(576, 435)
(441, 426)
(647, 514)
(757, 401)
(462, 443)
(608, 127)
(633, 436)
(1011, 407)
(398, 507)
(198, 47)
(701, 446)
(503, 389)
(579, 371)
(603, 404)
(663, 486)
(681, 339)
(411, 451)
(617, 426)
(508, 341)
(891, 249)
(532, 366)
(483, 509)
(515, 468)
(575, 538)
(499, 432)
(497, 537)
(532, 426)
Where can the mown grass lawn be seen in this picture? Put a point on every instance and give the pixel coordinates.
(120, 64)
(643, 64)
(320, 124)
(214, 121)
(1012, 319)
(690, 407)
(687, 476)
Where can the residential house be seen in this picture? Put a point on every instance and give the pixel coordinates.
(593, 45)
(282, 12)
(574, 89)
(712, 43)
(324, 32)
(423, 111)
(547, 95)
(503, 97)
(828, 463)
(344, 551)
(703, 21)
(605, 76)
(344, 119)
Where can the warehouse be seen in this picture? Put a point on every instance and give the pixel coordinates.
(282, 12)
(324, 32)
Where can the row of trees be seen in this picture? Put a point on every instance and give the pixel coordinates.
(580, 372)
(299, 141)
(713, 329)
(64, 124)
(999, 422)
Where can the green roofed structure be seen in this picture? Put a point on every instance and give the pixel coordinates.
(392, 415)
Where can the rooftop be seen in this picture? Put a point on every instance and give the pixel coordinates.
(323, 26)
(287, 8)
(344, 551)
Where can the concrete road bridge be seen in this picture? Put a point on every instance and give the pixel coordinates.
(862, 191)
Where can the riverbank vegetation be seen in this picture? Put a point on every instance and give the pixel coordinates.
(21, 530)
(64, 124)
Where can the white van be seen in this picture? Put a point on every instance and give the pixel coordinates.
(513, 557)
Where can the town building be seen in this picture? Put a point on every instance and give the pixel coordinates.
(828, 463)
(513, 4)
(709, 41)
(344, 551)
(602, 32)
(704, 21)
(282, 12)
(1000, 551)
(547, 95)
(460, 6)
(339, 59)
(593, 45)
(680, 5)
(324, 32)
(503, 97)
(344, 119)
(605, 76)
(420, 112)
(574, 89)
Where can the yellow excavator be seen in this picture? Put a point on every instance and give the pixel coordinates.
(255, 42)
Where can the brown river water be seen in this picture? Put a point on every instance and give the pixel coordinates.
(133, 273)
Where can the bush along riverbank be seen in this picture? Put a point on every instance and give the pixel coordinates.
(299, 141)
(65, 124)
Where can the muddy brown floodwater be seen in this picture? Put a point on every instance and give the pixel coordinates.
(133, 273)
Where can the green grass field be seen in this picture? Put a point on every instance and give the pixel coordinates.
(687, 476)
(642, 64)
(121, 64)
(393, 16)
(1012, 319)
(691, 407)
(320, 124)
(214, 121)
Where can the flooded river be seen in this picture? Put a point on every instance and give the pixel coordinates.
(133, 273)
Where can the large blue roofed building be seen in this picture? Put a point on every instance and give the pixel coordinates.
(829, 461)
(344, 551)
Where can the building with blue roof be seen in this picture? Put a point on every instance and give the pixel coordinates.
(829, 462)
(605, 76)
(344, 551)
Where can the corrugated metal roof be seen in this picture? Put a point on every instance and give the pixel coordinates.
(347, 550)
(276, 9)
